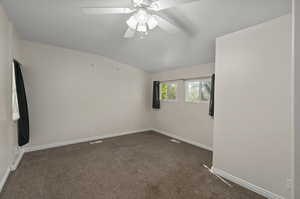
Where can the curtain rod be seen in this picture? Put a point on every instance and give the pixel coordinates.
(184, 79)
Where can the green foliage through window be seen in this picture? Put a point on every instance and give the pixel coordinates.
(168, 91)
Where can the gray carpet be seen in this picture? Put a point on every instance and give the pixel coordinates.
(138, 166)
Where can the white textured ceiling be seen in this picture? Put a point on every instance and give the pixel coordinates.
(61, 22)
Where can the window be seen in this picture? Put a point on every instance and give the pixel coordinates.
(197, 90)
(168, 91)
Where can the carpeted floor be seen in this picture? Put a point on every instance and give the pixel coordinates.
(138, 166)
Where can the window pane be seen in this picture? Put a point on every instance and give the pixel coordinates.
(164, 89)
(193, 91)
(205, 90)
(172, 91)
(168, 91)
(197, 90)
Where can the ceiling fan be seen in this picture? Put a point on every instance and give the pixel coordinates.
(144, 16)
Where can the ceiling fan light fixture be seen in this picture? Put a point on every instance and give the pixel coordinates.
(141, 28)
(142, 16)
(132, 22)
(141, 21)
(152, 23)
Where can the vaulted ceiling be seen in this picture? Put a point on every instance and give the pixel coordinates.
(62, 23)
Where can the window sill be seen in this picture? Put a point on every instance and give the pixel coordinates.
(172, 101)
(200, 102)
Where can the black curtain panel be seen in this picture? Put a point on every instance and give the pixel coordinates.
(212, 97)
(156, 101)
(23, 122)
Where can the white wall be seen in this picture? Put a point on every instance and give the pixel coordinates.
(75, 95)
(252, 132)
(8, 131)
(297, 97)
(185, 120)
(5, 123)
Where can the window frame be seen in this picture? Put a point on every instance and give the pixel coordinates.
(176, 91)
(186, 90)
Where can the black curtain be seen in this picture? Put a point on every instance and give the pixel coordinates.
(156, 101)
(212, 97)
(23, 122)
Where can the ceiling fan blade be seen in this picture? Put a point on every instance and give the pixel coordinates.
(129, 33)
(175, 16)
(101, 3)
(165, 4)
(165, 25)
(100, 11)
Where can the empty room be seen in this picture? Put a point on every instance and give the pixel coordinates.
(149, 99)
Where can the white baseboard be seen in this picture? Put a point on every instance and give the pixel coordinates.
(246, 184)
(183, 139)
(17, 161)
(4, 179)
(76, 141)
(12, 167)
